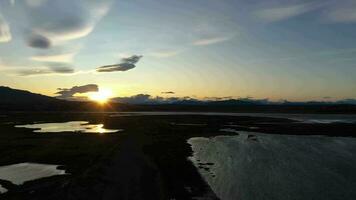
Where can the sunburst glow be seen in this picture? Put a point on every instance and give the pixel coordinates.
(102, 96)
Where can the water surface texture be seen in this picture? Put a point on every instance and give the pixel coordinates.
(74, 126)
(2, 189)
(254, 166)
(22, 172)
(302, 118)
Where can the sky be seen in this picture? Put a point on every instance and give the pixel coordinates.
(276, 49)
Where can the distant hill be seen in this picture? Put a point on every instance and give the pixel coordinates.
(21, 100)
(14, 96)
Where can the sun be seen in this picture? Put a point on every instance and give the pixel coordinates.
(102, 96)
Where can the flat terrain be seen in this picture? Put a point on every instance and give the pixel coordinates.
(148, 160)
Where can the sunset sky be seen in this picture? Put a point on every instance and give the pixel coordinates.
(276, 49)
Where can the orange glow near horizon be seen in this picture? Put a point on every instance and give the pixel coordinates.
(102, 96)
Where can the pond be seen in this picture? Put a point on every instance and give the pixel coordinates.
(19, 173)
(72, 126)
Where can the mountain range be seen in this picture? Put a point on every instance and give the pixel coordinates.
(21, 100)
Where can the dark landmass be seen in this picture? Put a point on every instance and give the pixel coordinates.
(148, 160)
(14, 96)
(19, 100)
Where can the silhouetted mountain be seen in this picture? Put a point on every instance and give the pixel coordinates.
(228, 102)
(146, 99)
(14, 96)
(20, 100)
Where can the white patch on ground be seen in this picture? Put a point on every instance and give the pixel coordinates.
(324, 121)
(187, 124)
(74, 126)
(2, 189)
(229, 130)
(240, 126)
(278, 167)
(22, 172)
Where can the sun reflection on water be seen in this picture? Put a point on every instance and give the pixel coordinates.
(73, 126)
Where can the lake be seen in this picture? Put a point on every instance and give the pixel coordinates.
(254, 165)
(302, 118)
(72, 126)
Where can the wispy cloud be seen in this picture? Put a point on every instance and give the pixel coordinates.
(126, 64)
(164, 53)
(274, 14)
(52, 70)
(35, 3)
(33, 71)
(61, 68)
(61, 20)
(64, 58)
(211, 40)
(5, 34)
(213, 31)
(341, 13)
(168, 92)
(12, 2)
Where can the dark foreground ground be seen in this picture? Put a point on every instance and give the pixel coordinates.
(148, 160)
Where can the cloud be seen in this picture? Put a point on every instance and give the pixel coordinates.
(30, 72)
(66, 93)
(168, 92)
(218, 98)
(35, 3)
(126, 64)
(114, 68)
(211, 40)
(347, 101)
(284, 12)
(65, 58)
(51, 68)
(341, 14)
(148, 99)
(45, 71)
(5, 34)
(62, 20)
(213, 31)
(61, 68)
(132, 59)
(38, 41)
(228, 100)
(136, 99)
(164, 53)
(67, 29)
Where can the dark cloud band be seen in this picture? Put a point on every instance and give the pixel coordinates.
(38, 41)
(126, 64)
(66, 93)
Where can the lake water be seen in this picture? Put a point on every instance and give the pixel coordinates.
(2, 189)
(303, 118)
(73, 126)
(253, 166)
(20, 173)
